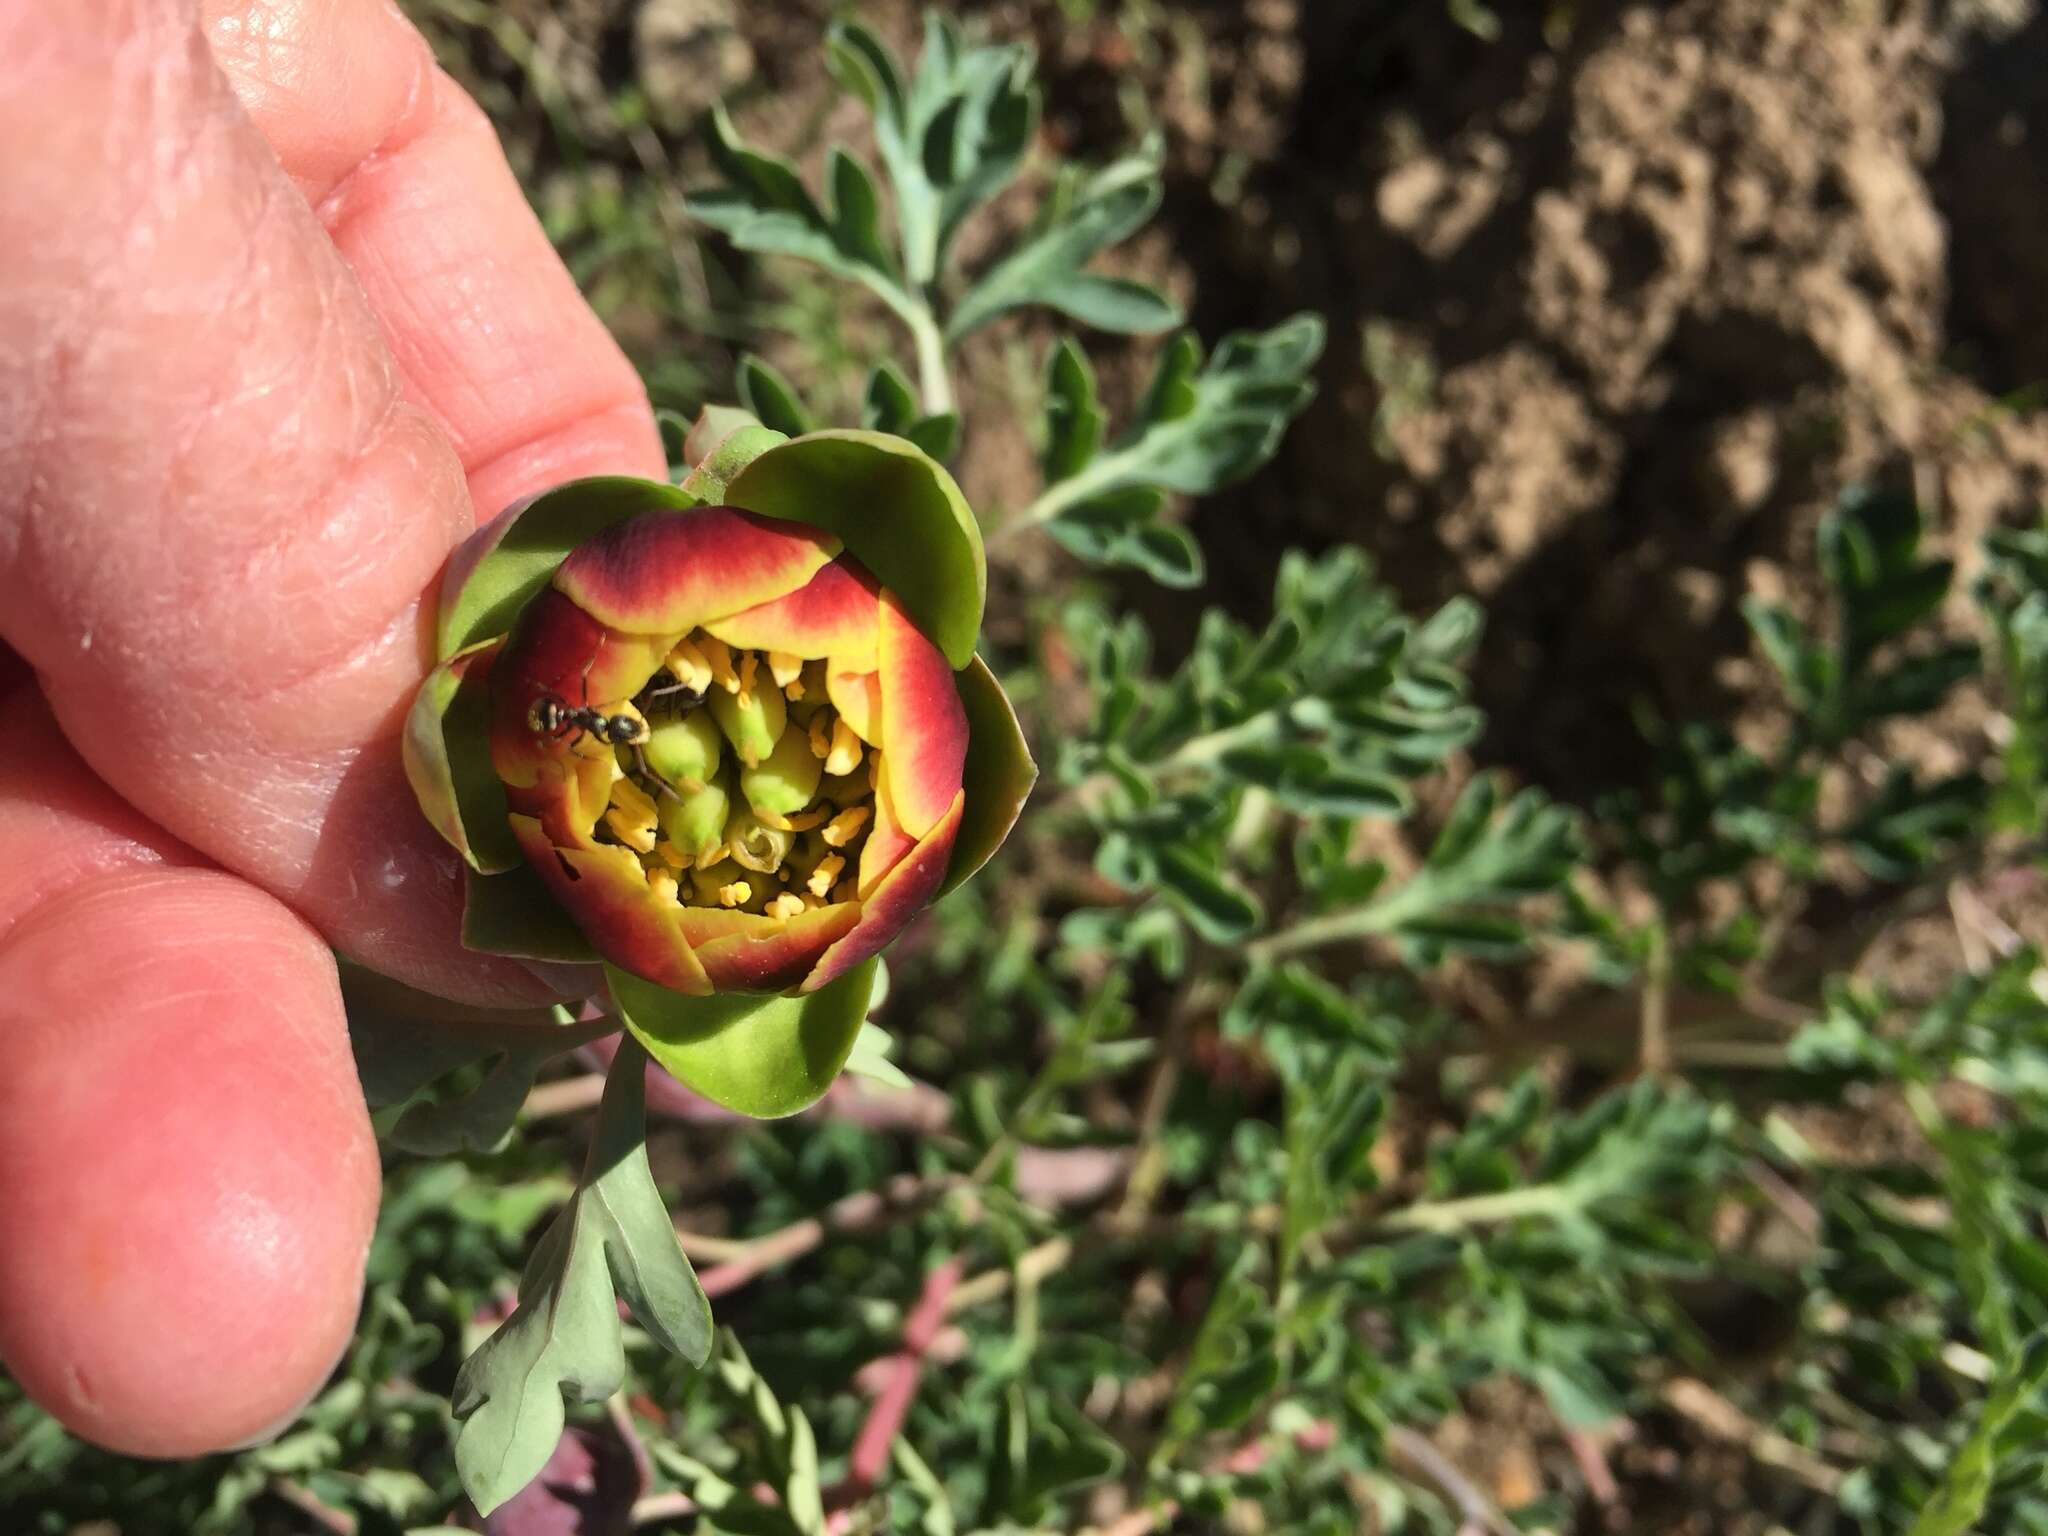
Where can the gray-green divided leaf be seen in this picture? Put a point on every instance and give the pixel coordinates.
(1199, 429)
(563, 1343)
(762, 205)
(1123, 529)
(1086, 215)
(1958, 1503)
(951, 136)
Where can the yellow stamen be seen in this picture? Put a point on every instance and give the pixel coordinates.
(826, 872)
(686, 664)
(845, 754)
(811, 852)
(845, 827)
(632, 816)
(719, 655)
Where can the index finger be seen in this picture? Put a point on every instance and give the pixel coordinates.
(217, 512)
(406, 173)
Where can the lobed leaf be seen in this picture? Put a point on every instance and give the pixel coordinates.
(614, 1241)
(1086, 217)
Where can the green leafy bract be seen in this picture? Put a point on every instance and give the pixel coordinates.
(759, 1056)
(890, 405)
(448, 760)
(514, 914)
(771, 397)
(997, 776)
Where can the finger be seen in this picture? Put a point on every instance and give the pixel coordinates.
(217, 512)
(187, 1174)
(490, 333)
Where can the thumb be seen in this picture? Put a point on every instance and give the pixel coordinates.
(187, 1173)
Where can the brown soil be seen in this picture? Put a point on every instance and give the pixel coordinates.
(1627, 305)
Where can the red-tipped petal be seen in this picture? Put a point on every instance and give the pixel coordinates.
(749, 952)
(668, 572)
(836, 614)
(903, 893)
(568, 795)
(559, 651)
(606, 892)
(924, 726)
(858, 698)
(886, 846)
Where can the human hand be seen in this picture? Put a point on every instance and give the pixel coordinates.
(276, 324)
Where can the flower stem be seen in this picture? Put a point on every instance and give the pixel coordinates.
(1062, 496)
(1379, 917)
(1444, 1217)
(934, 380)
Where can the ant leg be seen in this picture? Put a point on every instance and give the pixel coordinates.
(661, 785)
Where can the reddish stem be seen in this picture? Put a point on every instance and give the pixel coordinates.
(892, 1403)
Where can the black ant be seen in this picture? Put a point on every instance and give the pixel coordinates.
(553, 717)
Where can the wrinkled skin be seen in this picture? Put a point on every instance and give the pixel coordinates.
(285, 323)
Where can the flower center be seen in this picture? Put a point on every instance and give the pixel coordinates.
(747, 790)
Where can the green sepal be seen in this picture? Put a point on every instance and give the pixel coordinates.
(895, 509)
(513, 913)
(725, 441)
(714, 424)
(997, 776)
(761, 1056)
(447, 753)
(502, 567)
